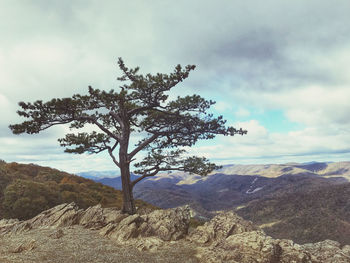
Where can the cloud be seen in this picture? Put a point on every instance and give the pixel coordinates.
(242, 112)
(7, 111)
(221, 106)
(260, 144)
(312, 105)
(290, 56)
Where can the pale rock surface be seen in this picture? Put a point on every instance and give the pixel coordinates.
(245, 247)
(58, 216)
(221, 227)
(148, 232)
(57, 234)
(96, 217)
(25, 246)
(127, 228)
(152, 228)
(329, 251)
(229, 238)
(170, 224)
(147, 243)
(290, 252)
(7, 224)
(226, 238)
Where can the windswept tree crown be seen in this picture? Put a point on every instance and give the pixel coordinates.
(141, 106)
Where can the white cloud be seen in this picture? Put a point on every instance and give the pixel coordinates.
(311, 105)
(259, 144)
(292, 57)
(7, 111)
(4, 102)
(242, 112)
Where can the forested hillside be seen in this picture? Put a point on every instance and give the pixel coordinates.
(28, 189)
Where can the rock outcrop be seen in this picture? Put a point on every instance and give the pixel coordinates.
(7, 224)
(146, 231)
(25, 247)
(329, 251)
(226, 238)
(221, 227)
(58, 216)
(96, 217)
(171, 224)
(229, 238)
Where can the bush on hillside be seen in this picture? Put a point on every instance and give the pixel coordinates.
(28, 189)
(24, 199)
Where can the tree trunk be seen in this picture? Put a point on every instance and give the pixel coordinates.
(128, 199)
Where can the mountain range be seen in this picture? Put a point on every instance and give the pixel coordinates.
(286, 200)
(303, 202)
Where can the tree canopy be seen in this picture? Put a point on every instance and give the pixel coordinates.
(140, 107)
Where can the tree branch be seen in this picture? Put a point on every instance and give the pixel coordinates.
(137, 110)
(143, 177)
(117, 117)
(114, 146)
(142, 145)
(116, 137)
(113, 157)
(156, 170)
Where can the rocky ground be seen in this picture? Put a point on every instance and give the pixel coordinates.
(77, 244)
(68, 234)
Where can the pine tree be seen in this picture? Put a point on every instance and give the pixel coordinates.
(141, 106)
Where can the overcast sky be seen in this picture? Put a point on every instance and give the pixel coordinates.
(280, 69)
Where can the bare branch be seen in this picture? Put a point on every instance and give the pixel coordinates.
(110, 151)
(114, 146)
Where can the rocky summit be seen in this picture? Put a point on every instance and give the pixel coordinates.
(98, 234)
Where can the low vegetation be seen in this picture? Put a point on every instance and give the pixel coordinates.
(28, 189)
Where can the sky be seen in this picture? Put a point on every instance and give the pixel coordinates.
(279, 69)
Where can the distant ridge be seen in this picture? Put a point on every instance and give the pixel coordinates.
(95, 175)
(324, 169)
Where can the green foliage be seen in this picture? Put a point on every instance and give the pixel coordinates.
(55, 177)
(4, 181)
(140, 107)
(24, 199)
